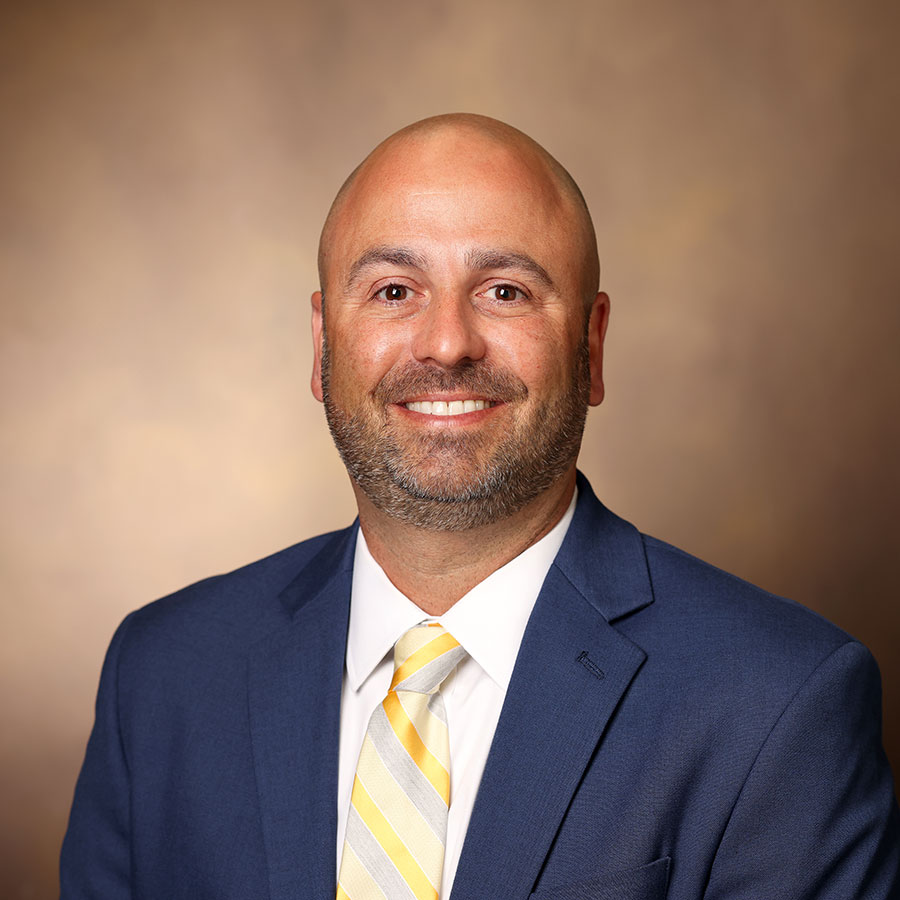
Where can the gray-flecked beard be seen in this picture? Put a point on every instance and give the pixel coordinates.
(442, 480)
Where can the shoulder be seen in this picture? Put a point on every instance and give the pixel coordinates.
(683, 610)
(710, 598)
(727, 635)
(226, 612)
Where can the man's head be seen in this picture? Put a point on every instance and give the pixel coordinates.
(460, 338)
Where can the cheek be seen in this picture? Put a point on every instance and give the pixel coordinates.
(535, 352)
(361, 356)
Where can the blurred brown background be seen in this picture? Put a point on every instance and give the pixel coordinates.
(165, 168)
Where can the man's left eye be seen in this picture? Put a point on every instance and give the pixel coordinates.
(505, 293)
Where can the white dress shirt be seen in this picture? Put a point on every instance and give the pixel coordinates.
(489, 622)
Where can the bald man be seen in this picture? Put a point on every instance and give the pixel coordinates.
(489, 685)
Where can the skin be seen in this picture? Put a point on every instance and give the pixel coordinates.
(498, 268)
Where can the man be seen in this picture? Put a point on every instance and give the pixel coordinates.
(611, 718)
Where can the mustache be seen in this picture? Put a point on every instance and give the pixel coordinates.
(480, 378)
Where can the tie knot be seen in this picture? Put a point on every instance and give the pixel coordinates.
(424, 657)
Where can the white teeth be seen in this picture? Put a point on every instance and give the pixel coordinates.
(447, 408)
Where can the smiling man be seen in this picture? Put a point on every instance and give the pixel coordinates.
(490, 684)
(460, 266)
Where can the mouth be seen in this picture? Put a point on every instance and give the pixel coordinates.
(448, 407)
(467, 395)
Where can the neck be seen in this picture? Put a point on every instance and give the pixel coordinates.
(435, 568)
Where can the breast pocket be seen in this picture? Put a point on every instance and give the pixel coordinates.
(646, 883)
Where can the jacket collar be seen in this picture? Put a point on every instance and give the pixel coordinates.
(603, 558)
(333, 564)
(597, 540)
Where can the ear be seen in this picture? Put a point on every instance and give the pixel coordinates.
(599, 319)
(316, 381)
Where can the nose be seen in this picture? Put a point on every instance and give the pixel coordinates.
(448, 331)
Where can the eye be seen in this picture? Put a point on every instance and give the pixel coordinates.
(505, 293)
(393, 293)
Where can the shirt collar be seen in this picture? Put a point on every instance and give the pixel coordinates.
(379, 614)
(488, 621)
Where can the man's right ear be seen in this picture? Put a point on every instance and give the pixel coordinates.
(316, 381)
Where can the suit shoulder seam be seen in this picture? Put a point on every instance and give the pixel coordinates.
(672, 550)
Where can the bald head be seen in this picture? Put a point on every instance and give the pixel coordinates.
(434, 153)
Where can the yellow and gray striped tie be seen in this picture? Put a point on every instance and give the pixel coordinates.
(397, 825)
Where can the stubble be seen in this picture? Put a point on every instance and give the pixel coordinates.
(458, 479)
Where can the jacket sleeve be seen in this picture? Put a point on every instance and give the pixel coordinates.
(816, 818)
(96, 851)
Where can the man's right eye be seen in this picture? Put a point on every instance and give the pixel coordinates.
(393, 293)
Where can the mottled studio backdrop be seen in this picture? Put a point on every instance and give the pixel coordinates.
(164, 170)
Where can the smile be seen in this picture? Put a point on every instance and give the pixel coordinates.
(447, 407)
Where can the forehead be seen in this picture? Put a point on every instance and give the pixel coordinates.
(455, 191)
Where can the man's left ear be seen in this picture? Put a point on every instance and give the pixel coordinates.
(316, 380)
(599, 319)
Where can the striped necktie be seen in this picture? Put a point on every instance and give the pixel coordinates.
(397, 825)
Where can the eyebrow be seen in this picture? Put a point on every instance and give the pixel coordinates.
(480, 260)
(397, 256)
(477, 260)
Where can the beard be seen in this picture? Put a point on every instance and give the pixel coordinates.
(457, 479)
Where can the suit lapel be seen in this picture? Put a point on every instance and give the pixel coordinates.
(295, 678)
(571, 672)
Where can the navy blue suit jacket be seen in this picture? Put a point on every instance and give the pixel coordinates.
(669, 731)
